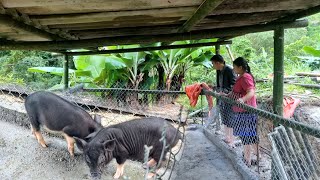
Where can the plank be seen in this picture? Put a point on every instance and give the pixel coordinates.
(78, 6)
(204, 9)
(204, 34)
(249, 6)
(183, 12)
(120, 24)
(96, 33)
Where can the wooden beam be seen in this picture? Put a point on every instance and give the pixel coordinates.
(245, 6)
(301, 14)
(138, 22)
(204, 9)
(147, 48)
(21, 22)
(36, 7)
(111, 32)
(6, 20)
(194, 35)
(182, 12)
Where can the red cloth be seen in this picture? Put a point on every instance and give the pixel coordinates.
(193, 91)
(289, 105)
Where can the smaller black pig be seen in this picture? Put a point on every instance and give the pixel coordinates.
(126, 141)
(57, 114)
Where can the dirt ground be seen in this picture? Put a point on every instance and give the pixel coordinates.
(21, 157)
(201, 160)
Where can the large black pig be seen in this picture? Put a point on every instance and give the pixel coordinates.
(126, 141)
(57, 114)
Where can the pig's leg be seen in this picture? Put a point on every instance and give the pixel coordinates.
(119, 172)
(70, 142)
(33, 132)
(35, 129)
(40, 138)
(151, 163)
(36, 132)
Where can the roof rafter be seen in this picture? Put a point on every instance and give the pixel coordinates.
(11, 18)
(145, 39)
(152, 48)
(204, 9)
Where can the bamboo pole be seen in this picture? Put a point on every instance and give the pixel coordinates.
(217, 48)
(147, 48)
(284, 156)
(291, 153)
(145, 39)
(307, 85)
(277, 167)
(230, 53)
(278, 71)
(204, 9)
(299, 153)
(66, 72)
(308, 74)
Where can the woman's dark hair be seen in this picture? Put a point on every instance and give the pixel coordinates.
(240, 61)
(218, 58)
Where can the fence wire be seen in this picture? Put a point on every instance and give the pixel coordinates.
(288, 151)
(115, 105)
(286, 148)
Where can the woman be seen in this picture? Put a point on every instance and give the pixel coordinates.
(245, 123)
(225, 80)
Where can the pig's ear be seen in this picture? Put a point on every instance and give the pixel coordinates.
(109, 145)
(80, 143)
(97, 118)
(90, 136)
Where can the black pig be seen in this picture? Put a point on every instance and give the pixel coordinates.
(57, 114)
(126, 141)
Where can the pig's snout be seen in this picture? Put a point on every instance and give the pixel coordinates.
(95, 175)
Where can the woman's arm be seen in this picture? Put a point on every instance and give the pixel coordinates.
(250, 94)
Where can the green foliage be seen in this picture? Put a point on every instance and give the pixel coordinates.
(295, 49)
(243, 47)
(15, 64)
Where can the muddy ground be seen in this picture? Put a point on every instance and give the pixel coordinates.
(201, 160)
(21, 157)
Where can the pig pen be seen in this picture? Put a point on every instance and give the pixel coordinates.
(21, 157)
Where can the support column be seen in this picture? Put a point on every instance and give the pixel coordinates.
(66, 71)
(278, 70)
(217, 48)
(278, 73)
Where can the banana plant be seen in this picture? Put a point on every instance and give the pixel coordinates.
(184, 58)
(314, 59)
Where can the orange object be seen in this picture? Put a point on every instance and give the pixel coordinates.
(193, 91)
(289, 105)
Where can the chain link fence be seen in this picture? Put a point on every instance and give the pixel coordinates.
(115, 105)
(289, 150)
(272, 146)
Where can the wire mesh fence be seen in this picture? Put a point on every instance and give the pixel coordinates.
(115, 105)
(288, 151)
(272, 146)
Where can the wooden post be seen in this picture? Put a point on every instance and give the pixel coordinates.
(66, 72)
(230, 53)
(277, 81)
(217, 48)
(278, 71)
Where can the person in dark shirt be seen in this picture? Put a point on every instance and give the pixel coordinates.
(224, 83)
